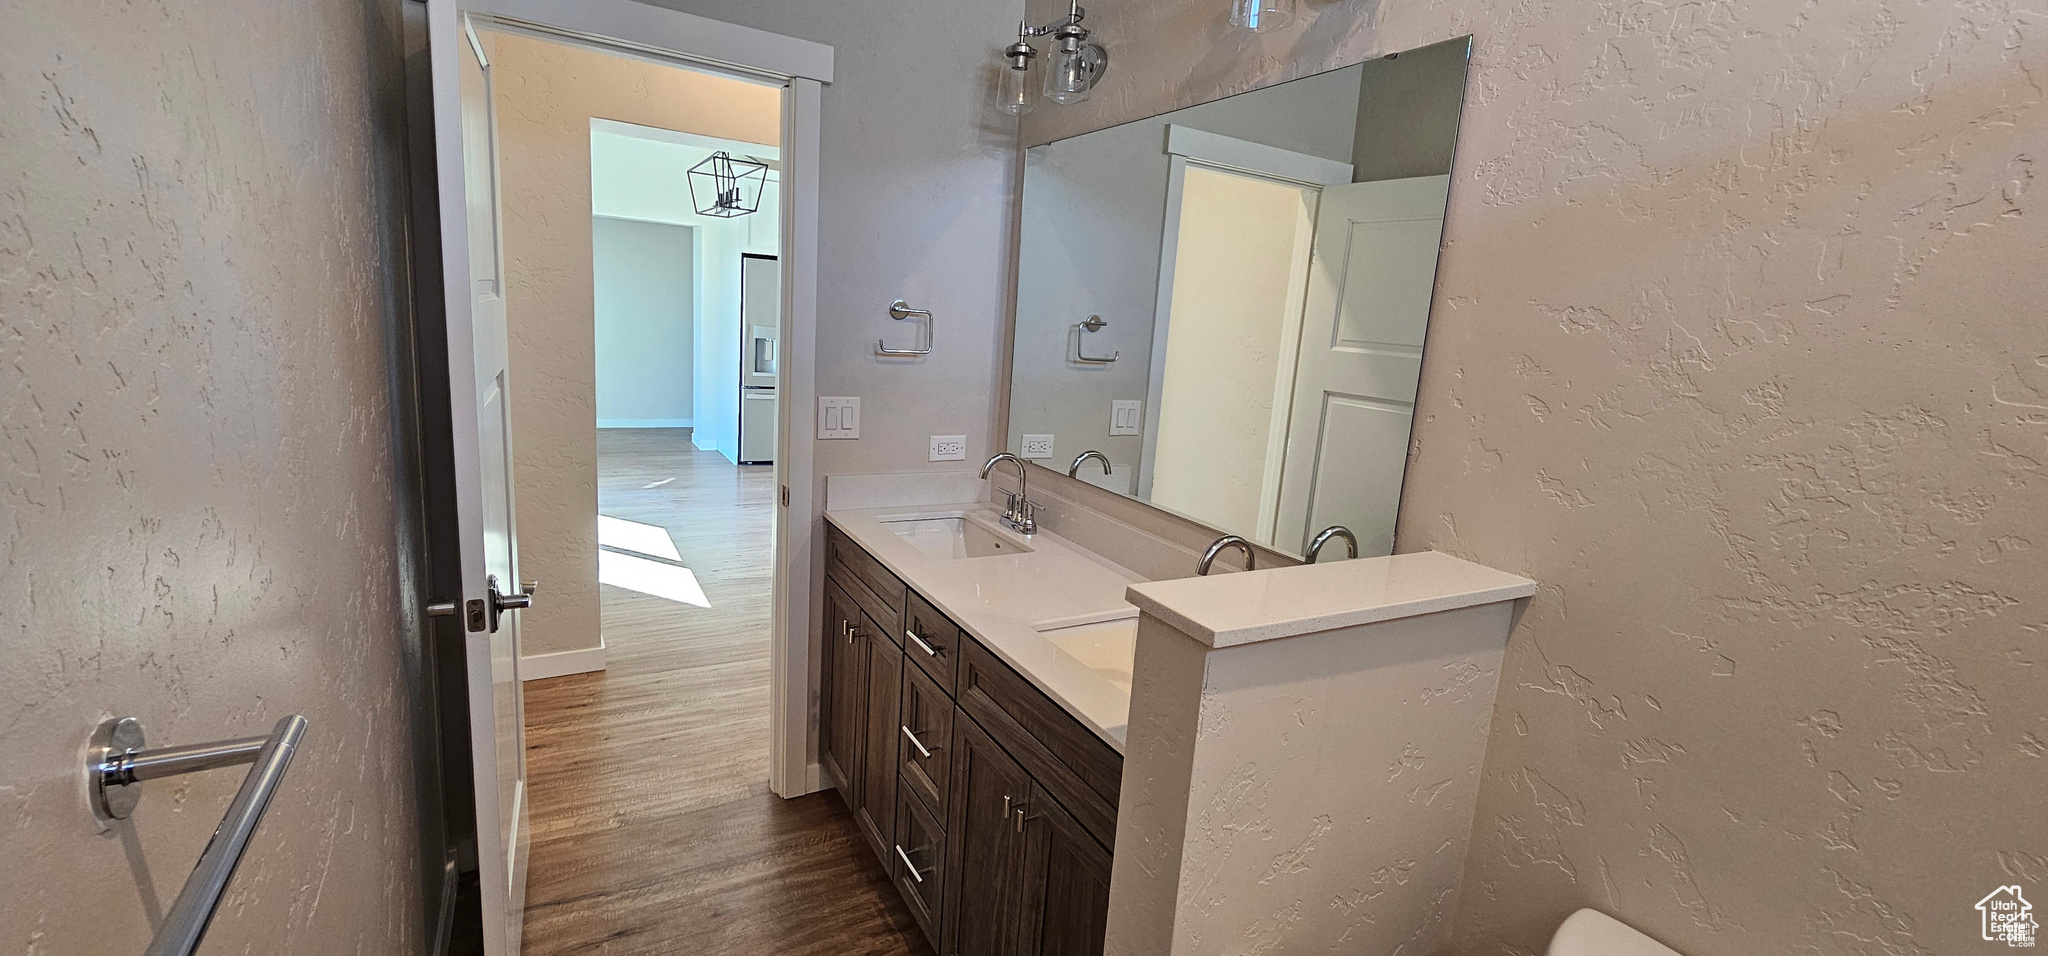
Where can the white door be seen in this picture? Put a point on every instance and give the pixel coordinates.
(1371, 276)
(473, 270)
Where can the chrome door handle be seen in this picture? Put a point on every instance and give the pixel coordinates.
(922, 750)
(501, 602)
(921, 645)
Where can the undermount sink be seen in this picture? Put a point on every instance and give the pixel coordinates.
(1105, 647)
(953, 536)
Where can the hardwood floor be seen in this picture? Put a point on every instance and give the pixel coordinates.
(653, 828)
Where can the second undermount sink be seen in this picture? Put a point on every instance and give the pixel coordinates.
(953, 536)
(1105, 647)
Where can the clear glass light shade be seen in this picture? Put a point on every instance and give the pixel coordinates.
(1260, 16)
(1072, 73)
(1013, 90)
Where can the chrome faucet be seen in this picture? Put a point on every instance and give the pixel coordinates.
(1227, 541)
(1073, 469)
(1019, 513)
(1323, 537)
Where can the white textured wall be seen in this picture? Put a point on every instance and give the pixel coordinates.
(1308, 794)
(1738, 350)
(202, 517)
(546, 94)
(914, 204)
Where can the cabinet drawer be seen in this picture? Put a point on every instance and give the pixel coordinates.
(883, 597)
(931, 639)
(917, 862)
(1079, 769)
(924, 742)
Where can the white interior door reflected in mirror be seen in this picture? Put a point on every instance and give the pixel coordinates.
(1370, 280)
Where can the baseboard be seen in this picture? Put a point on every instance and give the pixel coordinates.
(646, 423)
(561, 663)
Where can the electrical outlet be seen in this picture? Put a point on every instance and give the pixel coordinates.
(949, 448)
(1125, 418)
(1037, 446)
(838, 417)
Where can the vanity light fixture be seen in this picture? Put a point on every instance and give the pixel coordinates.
(1075, 63)
(1015, 90)
(725, 187)
(1261, 16)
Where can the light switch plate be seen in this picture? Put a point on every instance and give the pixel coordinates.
(838, 417)
(1037, 446)
(1125, 418)
(949, 448)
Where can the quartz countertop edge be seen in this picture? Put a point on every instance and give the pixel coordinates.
(998, 598)
(1228, 610)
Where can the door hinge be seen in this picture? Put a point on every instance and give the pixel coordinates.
(785, 496)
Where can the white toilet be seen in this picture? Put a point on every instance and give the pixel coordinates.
(1593, 933)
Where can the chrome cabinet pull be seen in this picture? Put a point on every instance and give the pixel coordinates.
(922, 750)
(921, 645)
(912, 867)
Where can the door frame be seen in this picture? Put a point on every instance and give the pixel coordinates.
(802, 67)
(1184, 145)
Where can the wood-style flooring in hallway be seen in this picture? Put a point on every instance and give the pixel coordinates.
(653, 828)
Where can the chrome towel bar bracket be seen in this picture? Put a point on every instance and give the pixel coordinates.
(116, 767)
(900, 310)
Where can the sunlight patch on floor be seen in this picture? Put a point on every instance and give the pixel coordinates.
(647, 576)
(647, 539)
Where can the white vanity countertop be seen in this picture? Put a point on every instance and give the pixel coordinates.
(998, 599)
(1223, 610)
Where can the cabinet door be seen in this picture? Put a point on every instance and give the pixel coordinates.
(1066, 883)
(984, 853)
(919, 868)
(876, 812)
(841, 707)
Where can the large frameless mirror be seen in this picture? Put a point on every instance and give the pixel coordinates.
(1226, 304)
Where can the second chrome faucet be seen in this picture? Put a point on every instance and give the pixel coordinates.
(1217, 547)
(1019, 514)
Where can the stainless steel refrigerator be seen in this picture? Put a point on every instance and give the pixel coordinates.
(760, 355)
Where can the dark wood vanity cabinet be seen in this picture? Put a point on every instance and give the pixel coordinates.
(985, 899)
(861, 679)
(1065, 883)
(842, 691)
(991, 807)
